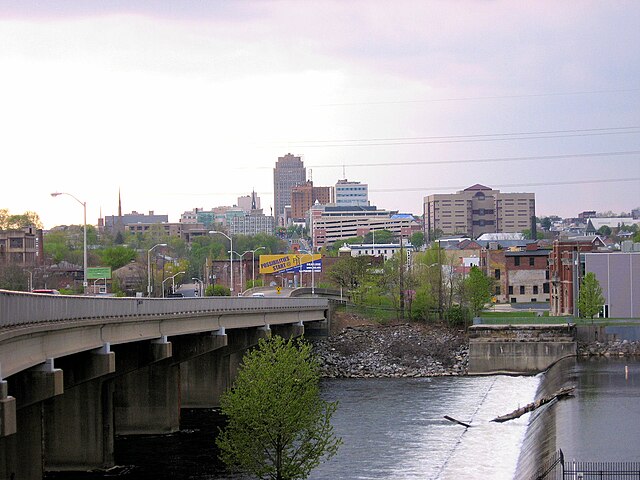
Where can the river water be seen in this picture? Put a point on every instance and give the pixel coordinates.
(395, 428)
(392, 429)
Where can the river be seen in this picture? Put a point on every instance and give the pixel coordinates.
(392, 429)
(395, 428)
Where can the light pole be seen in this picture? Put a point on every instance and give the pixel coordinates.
(240, 256)
(96, 281)
(149, 268)
(253, 265)
(313, 269)
(173, 283)
(200, 284)
(84, 206)
(230, 255)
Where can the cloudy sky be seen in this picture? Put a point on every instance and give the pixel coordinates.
(183, 104)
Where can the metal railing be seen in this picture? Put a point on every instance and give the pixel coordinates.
(18, 308)
(555, 468)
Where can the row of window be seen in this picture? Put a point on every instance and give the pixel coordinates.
(535, 289)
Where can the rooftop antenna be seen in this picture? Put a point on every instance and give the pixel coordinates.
(344, 175)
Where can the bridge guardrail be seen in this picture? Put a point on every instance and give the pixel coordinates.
(20, 308)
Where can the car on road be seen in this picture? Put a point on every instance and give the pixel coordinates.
(258, 294)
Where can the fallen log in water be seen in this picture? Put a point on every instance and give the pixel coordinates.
(560, 394)
(451, 419)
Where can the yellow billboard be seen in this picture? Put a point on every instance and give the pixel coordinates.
(290, 262)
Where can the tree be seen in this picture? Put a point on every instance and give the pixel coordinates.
(116, 257)
(417, 240)
(349, 272)
(604, 230)
(478, 289)
(16, 222)
(278, 426)
(590, 298)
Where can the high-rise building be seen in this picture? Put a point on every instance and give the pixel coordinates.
(303, 197)
(477, 210)
(249, 203)
(288, 172)
(351, 194)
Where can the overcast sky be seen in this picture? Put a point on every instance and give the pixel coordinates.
(189, 103)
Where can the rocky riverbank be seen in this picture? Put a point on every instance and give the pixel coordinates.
(618, 348)
(401, 350)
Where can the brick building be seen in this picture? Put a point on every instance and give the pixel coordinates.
(566, 269)
(477, 210)
(304, 196)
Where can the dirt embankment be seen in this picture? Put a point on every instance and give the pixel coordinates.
(358, 347)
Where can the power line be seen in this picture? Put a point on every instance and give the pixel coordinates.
(510, 185)
(487, 160)
(469, 160)
(481, 135)
(494, 97)
(374, 143)
(426, 188)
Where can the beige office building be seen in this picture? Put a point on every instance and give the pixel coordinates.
(477, 210)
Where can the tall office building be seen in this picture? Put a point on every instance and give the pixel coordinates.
(477, 210)
(351, 194)
(303, 197)
(288, 173)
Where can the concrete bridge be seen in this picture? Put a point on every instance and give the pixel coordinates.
(76, 371)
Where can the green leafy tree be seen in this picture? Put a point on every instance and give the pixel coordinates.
(279, 428)
(417, 240)
(116, 257)
(604, 230)
(380, 236)
(478, 290)
(217, 291)
(590, 298)
(349, 272)
(18, 221)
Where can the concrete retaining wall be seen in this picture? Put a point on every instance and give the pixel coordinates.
(519, 349)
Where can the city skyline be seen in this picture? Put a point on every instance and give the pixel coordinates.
(190, 105)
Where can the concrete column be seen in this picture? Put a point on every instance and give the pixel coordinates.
(8, 437)
(289, 330)
(204, 369)
(204, 379)
(147, 401)
(78, 428)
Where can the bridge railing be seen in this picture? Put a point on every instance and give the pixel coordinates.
(19, 308)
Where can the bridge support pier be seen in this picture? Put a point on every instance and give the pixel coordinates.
(78, 428)
(147, 401)
(203, 378)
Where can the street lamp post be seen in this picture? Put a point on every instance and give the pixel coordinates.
(230, 255)
(253, 265)
(240, 256)
(84, 206)
(200, 284)
(313, 269)
(173, 283)
(149, 268)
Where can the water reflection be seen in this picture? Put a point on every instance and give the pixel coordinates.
(599, 424)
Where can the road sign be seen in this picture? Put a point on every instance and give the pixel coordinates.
(278, 289)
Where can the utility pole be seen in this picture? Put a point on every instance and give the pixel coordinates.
(401, 277)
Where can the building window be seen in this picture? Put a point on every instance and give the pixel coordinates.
(521, 289)
(510, 289)
(514, 300)
(497, 274)
(15, 242)
(497, 289)
(532, 261)
(545, 287)
(516, 261)
(535, 289)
